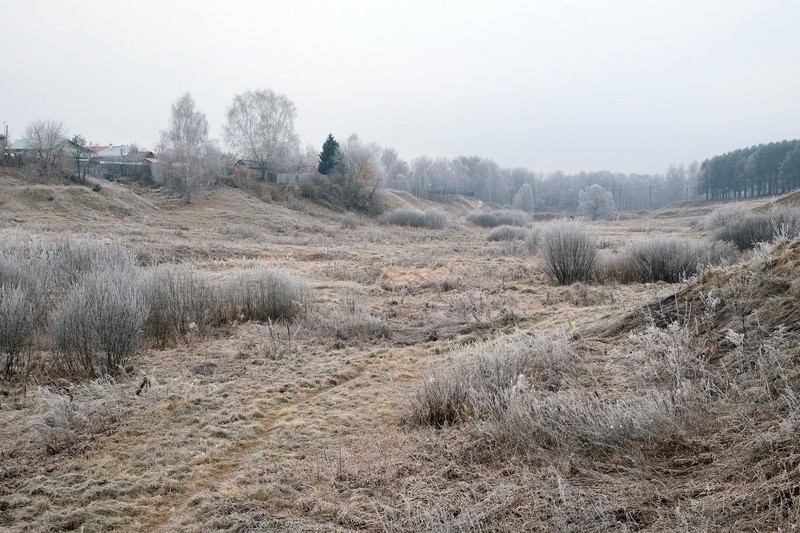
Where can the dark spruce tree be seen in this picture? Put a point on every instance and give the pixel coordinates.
(329, 157)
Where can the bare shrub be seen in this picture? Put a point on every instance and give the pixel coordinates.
(415, 218)
(98, 327)
(179, 302)
(499, 217)
(750, 229)
(725, 214)
(569, 252)
(19, 320)
(73, 259)
(666, 258)
(435, 219)
(263, 295)
(507, 233)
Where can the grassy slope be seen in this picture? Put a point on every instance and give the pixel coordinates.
(247, 429)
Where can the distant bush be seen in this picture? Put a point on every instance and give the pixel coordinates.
(569, 252)
(178, 302)
(749, 229)
(499, 217)
(415, 218)
(98, 328)
(507, 233)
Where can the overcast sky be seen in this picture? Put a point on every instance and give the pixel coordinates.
(627, 86)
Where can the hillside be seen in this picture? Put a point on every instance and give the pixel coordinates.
(434, 380)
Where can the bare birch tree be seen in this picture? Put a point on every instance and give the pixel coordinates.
(183, 145)
(359, 174)
(260, 128)
(46, 140)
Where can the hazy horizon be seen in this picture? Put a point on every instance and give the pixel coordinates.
(623, 86)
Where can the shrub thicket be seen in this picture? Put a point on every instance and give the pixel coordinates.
(19, 320)
(98, 328)
(263, 295)
(415, 218)
(508, 233)
(666, 258)
(499, 217)
(569, 252)
(178, 302)
(749, 229)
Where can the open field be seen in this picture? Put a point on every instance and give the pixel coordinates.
(647, 406)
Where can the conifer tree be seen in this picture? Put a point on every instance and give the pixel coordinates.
(329, 157)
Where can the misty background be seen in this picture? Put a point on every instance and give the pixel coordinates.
(626, 86)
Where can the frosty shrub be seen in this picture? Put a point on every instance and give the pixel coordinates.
(666, 258)
(569, 252)
(415, 218)
(264, 295)
(749, 229)
(98, 328)
(479, 380)
(19, 320)
(500, 217)
(723, 215)
(178, 301)
(507, 233)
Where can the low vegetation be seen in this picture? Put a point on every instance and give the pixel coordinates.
(224, 365)
(415, 218)
(498, 217)
(569, 252)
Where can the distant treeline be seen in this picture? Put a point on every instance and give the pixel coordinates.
(555, 192)
(762, 170)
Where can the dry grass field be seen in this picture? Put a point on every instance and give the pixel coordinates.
(435, 381)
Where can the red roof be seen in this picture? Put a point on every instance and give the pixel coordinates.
(96, 149)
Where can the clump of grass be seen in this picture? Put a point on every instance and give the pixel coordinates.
(349, 220)
(507, 233)
(415, 218)
(569, 252)
(478, 382)
(498, 217)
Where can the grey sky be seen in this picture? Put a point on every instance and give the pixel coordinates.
(630, 86)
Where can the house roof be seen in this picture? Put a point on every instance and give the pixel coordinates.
(113, 151)
(22, 144)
